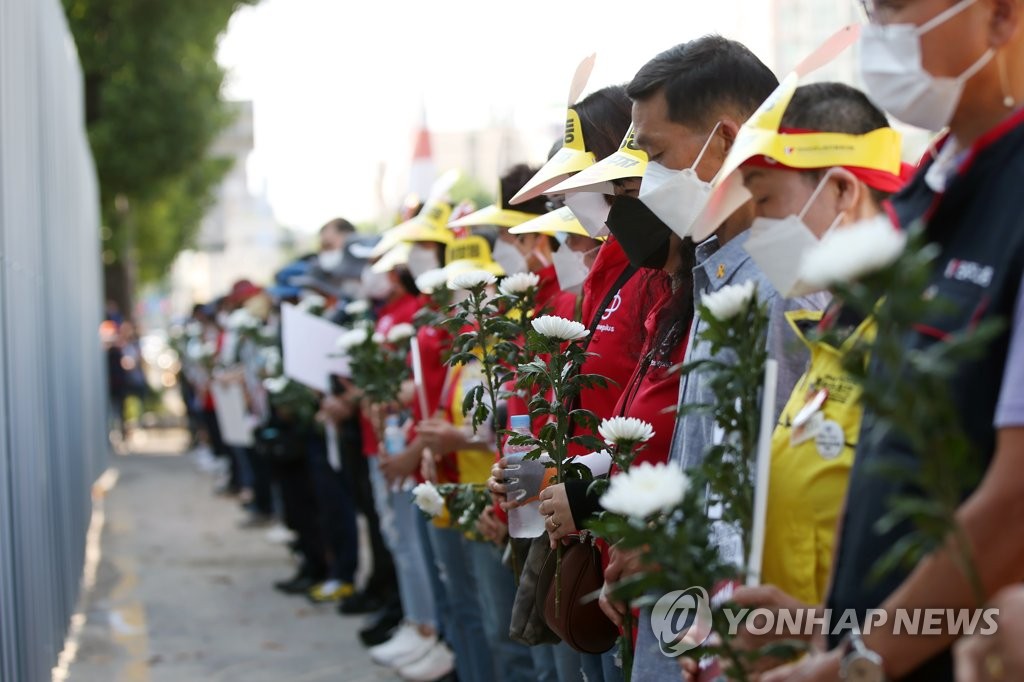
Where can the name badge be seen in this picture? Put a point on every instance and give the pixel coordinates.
(807, 431)
(830, 440)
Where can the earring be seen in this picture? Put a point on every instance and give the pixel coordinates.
(1008, 100)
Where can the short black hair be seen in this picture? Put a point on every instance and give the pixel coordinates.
(704, 76)
(833, 108)
(339, 225)
(512, 180)
(605, 116)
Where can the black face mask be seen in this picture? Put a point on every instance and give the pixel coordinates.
(643, 237)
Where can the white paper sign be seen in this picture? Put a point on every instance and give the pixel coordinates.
(234, 423)
(307, 343)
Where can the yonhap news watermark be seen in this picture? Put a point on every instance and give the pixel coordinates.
(682, 621)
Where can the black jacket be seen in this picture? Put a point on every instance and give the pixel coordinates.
(978, 223)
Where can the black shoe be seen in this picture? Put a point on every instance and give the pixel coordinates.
(360, 603)
(381, 626)
(300, 584)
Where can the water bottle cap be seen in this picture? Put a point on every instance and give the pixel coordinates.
(520, 421)
(391, 420)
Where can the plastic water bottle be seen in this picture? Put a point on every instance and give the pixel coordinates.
(524, 479)
(394, 444)
(394, 437)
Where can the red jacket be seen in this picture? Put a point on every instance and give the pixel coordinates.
(401, 310)
(653, 390)
(551, 300)
(434, 345)
(619, 338)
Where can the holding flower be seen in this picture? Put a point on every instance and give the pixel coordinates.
(554, 379)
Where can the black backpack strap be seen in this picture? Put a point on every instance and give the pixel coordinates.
(624, 277)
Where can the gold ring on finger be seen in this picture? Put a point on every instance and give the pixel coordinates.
(994, 667)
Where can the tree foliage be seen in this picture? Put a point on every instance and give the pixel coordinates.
(153, 109)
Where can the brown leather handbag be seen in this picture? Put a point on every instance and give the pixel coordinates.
(580, 622)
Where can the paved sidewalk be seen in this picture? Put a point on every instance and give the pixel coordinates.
(183, 595)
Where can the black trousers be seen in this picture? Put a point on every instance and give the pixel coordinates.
(301, 514)
(337, 515)
(382, 581)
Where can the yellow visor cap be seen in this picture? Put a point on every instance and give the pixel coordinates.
(395, 256)
(561, 220)
(470, 253)
(628, 162)
(494, 215)
(760, 136)
(571, 158)
(429, 225)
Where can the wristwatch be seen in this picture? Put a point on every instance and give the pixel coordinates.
(860, 664)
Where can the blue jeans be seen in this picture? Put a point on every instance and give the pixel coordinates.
(648, 661)
(443, 608)
(466, 633)
(545, 667)
(513, 662)
(568, 663)
(398, 524)
(573, 666)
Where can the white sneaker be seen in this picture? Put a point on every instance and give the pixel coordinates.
(280, 535)
(438, 662)
(407, 646)
(205, 460)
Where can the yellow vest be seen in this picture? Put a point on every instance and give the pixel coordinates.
(810, 467)
(474, 465)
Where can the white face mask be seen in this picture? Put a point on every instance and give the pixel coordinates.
(329, 261)
(591, 209)
(570, 268)
(676, 197)
(778, 246)
(894, 76)
(422, 259)
(376, 285)
(509, 258)
(351, 289)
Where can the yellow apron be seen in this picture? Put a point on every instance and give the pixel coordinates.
(810, 467)
(474, 465)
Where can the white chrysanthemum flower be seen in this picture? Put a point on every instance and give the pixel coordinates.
(850, 253)
(208, 349)
(559, 328)
(272, 359)
(360, 307)
(242, 319)
(519, 283)
(312, 302)
(625, 430)
(400, 332)
(275, 385)
(466, 518)
(645, 489)
(471, 280)
(352, 338)
(193, 329)
(427, 498)
(379, 338)
(432, 280)
(730, 301)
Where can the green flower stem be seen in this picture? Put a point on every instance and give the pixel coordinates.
(626, 645)
(490, 375)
